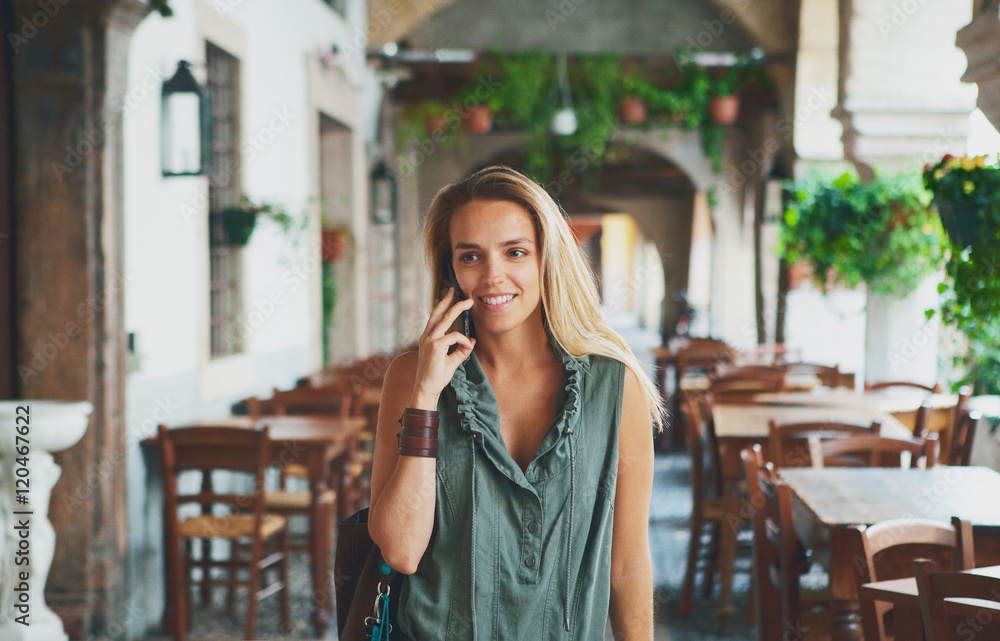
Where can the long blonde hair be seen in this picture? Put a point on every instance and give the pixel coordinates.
(570, 300)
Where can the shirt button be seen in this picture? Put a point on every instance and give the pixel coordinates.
(532, 527)
(529, 560)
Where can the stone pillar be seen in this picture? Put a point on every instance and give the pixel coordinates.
(980, 40)
(69, 77)
(902, 104)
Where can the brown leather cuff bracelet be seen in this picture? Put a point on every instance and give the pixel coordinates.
(419, 432)
(416, 446)
(419, 418)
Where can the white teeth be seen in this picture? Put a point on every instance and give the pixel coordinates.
(498, 300)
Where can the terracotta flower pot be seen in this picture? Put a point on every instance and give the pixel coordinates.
(799, 273)
(435, 123)
(479, 119)
(724, 110)
(632, 110)
(334, 244)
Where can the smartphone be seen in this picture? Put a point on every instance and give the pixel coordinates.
(451, 280)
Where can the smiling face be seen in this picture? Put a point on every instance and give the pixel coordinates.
(497, 260)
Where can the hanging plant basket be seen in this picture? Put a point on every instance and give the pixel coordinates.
(334, 244)
(960, 221)
(632, 110)
(239, 225)
(478, 119)
(724, 110)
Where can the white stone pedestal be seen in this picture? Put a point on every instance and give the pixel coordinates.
(27, 540)
(901, 344)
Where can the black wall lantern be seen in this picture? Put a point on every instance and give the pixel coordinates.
(385, 196)
(184, 136)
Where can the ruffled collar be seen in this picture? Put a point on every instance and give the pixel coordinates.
(477, 409)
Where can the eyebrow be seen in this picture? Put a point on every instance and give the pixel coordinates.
(517, 241)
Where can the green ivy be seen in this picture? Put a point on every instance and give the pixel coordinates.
(882, 233)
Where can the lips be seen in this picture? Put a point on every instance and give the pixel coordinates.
(497, 301)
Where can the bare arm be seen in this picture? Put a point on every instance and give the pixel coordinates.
(401, 516)
(631, 567)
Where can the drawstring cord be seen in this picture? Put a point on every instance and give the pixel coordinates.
(569, 537)
(472, 589)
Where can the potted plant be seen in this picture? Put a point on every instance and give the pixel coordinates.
(334, 243)
(239, 222)
(433, 115)
(882, 233)
(724, 104)
(478, 119)
(966, 193)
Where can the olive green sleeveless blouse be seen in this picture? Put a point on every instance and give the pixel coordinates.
(520, 555)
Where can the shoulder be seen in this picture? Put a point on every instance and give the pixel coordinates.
(402, 372)
(635, 419)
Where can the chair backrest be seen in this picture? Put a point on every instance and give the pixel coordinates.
(333, 400)
(703, 354)
(769, 354)
(886, 551)
(963, 436)
(776, 581)
(871, 450)
(947, 619)
(788, 444)
(738, 385)
(706, 479)
(213, 448)
(828, 376)
(874, 387)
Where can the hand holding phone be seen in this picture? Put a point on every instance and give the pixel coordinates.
(451, 280)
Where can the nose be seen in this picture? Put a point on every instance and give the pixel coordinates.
(494, 272)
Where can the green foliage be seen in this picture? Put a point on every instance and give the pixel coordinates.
(970, 190)
(163, 7)
(882, 233)
(330, 292)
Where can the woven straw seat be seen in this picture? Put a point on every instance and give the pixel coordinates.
(296, 499)
(297, 470)
(230, 527)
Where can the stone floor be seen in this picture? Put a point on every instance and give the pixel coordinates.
(669, 511)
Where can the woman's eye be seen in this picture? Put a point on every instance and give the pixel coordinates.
(518, 253)
(467, 258)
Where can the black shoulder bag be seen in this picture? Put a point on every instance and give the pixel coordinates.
(367, 588)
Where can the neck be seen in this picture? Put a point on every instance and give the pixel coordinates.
(526, 346)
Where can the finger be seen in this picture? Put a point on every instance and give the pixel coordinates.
(452, 314)
(439, 309)
(462, 351)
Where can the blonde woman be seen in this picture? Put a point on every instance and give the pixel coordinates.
(516, 494)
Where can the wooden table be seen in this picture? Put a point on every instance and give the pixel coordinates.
(321, 443)
(830, 500)
(902, 594)
(741, 426)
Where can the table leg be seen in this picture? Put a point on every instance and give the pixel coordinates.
(319, 546)
(844, 608)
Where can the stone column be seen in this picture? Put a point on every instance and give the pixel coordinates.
(980, 41)
(902, 104)
(69, 77)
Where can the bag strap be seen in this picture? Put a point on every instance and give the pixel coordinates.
(381, 628)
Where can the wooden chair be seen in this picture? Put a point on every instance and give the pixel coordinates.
(207, 449)
(697, 355)
(287, 499)
(711, 506)
(359, 468)
(777, 560)
(828, 376)
(963, 436)
(886, 551)
(871, 450)
(788, 444)
(769, 354)
(739, 385)
(946, 613)
(881, 385)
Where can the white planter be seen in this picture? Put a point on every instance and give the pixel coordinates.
(24, 527)
(901, 344)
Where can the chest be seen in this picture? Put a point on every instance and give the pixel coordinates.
(527, 409)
